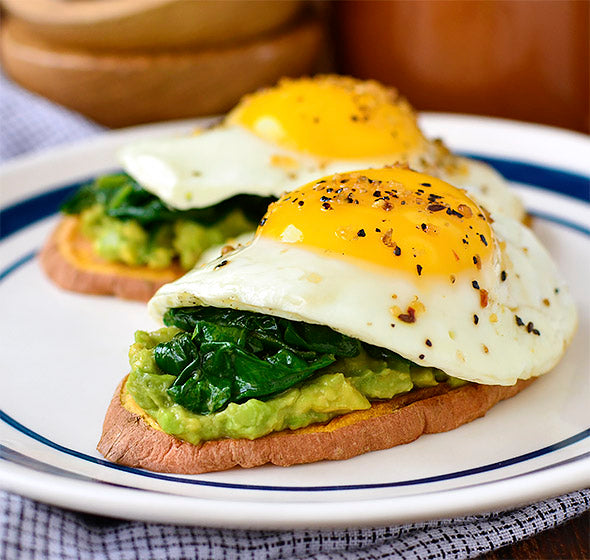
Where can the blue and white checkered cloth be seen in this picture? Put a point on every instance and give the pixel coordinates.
(32, 530)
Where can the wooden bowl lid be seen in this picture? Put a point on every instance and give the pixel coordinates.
(121, 89)
(153, 24)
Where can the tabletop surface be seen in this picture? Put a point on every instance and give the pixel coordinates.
(570, 540)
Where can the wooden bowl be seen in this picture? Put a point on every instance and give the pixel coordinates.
(120, 89)
(153, 24)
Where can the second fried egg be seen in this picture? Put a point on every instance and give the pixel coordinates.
(282, 137)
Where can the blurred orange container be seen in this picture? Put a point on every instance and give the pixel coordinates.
(520, 59)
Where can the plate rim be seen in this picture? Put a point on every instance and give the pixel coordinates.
(490, 502)
(139, 505)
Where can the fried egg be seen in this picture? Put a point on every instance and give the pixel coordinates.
(404, 261)
(282, 137)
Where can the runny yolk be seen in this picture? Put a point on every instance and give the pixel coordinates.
(334, 117)
(392, 217)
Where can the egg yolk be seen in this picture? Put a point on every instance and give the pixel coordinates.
(334, 117)
(392, 217)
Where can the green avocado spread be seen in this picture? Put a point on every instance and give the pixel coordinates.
(346, 385)
(127, 241)
(128, 224)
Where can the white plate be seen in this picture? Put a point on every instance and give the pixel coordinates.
(62, 355)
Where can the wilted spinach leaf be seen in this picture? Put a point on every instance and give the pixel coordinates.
(231, 355)
(123, 198)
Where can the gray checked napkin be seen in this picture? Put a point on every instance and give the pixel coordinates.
(32, 530)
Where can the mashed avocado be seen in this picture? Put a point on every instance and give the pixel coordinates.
(127, 241)
(347, 385)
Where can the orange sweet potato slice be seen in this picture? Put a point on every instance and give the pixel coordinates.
(128, 439)
(69, 260)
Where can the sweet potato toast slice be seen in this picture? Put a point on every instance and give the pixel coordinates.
(69, 260)
(131, 438)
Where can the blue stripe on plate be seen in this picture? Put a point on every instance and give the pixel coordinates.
(427, 480)
(17, 264)
(27, 212)
(18, 216)
(564, 182)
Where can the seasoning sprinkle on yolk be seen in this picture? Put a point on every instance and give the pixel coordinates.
(391, 217)
(333, 117)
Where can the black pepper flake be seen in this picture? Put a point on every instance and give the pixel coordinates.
(483, 239)
(301, 203)
(421, 356)
(503, 276)
(475, 319)
(475, 284)
(377, 230)
(263, 221)
(361, 233)
(556, 290)
(222, 263)
(427, 342)
(424, 226)
(435, 207)
(392, 325)
(433, 197)
(397, 251)
(326, 206)
(377, 194)
(519, 321)
(530, 328)
(329, 189)
(426, 184)
(419, 269)
(325, 198)
(452, 212)
(343, 180)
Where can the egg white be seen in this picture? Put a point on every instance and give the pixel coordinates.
(227, 160)
(357, 299)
